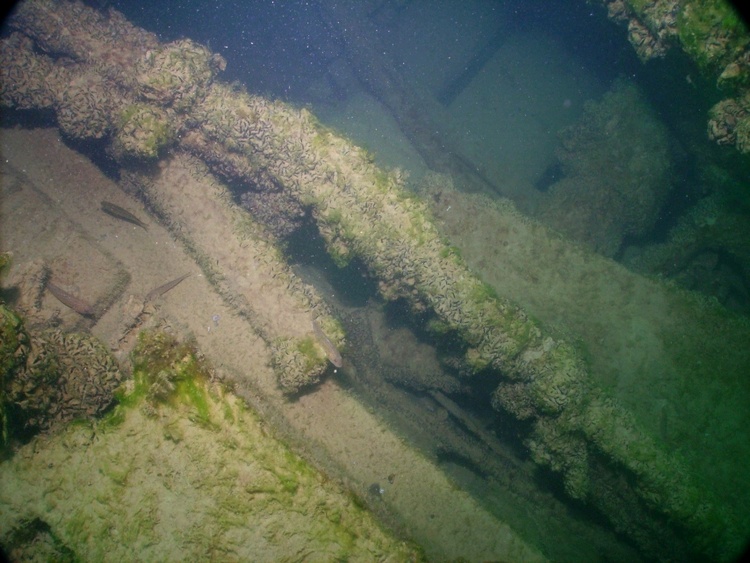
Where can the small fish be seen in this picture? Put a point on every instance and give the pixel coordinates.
(78, 305)
(120, 213)
(162, 289)
(333, 354)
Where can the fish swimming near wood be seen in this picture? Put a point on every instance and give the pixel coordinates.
(78, 305)
(162, 289)
(123, 214)
(333, 354)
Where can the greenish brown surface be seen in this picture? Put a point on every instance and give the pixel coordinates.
(198, 478)
(363, 213)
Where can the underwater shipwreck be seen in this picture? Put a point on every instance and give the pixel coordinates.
(179, 382)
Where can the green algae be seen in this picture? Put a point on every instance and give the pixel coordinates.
(711, 32)
(5, 261)
(311, 352)
(142, 132)
(14, 346)
(240, 491)
(165, 371)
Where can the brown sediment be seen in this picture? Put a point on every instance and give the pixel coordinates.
(78, 305)
(162, 289)
(331, 351)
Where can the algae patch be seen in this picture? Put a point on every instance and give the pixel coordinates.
(181, 469)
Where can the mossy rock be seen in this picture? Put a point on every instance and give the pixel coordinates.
(143, 131)
(176, 74)
(298, 363)
(14, 349)
(167, 370)
(711, 32)
(5, 261)
(14, 343)
(32, 539)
